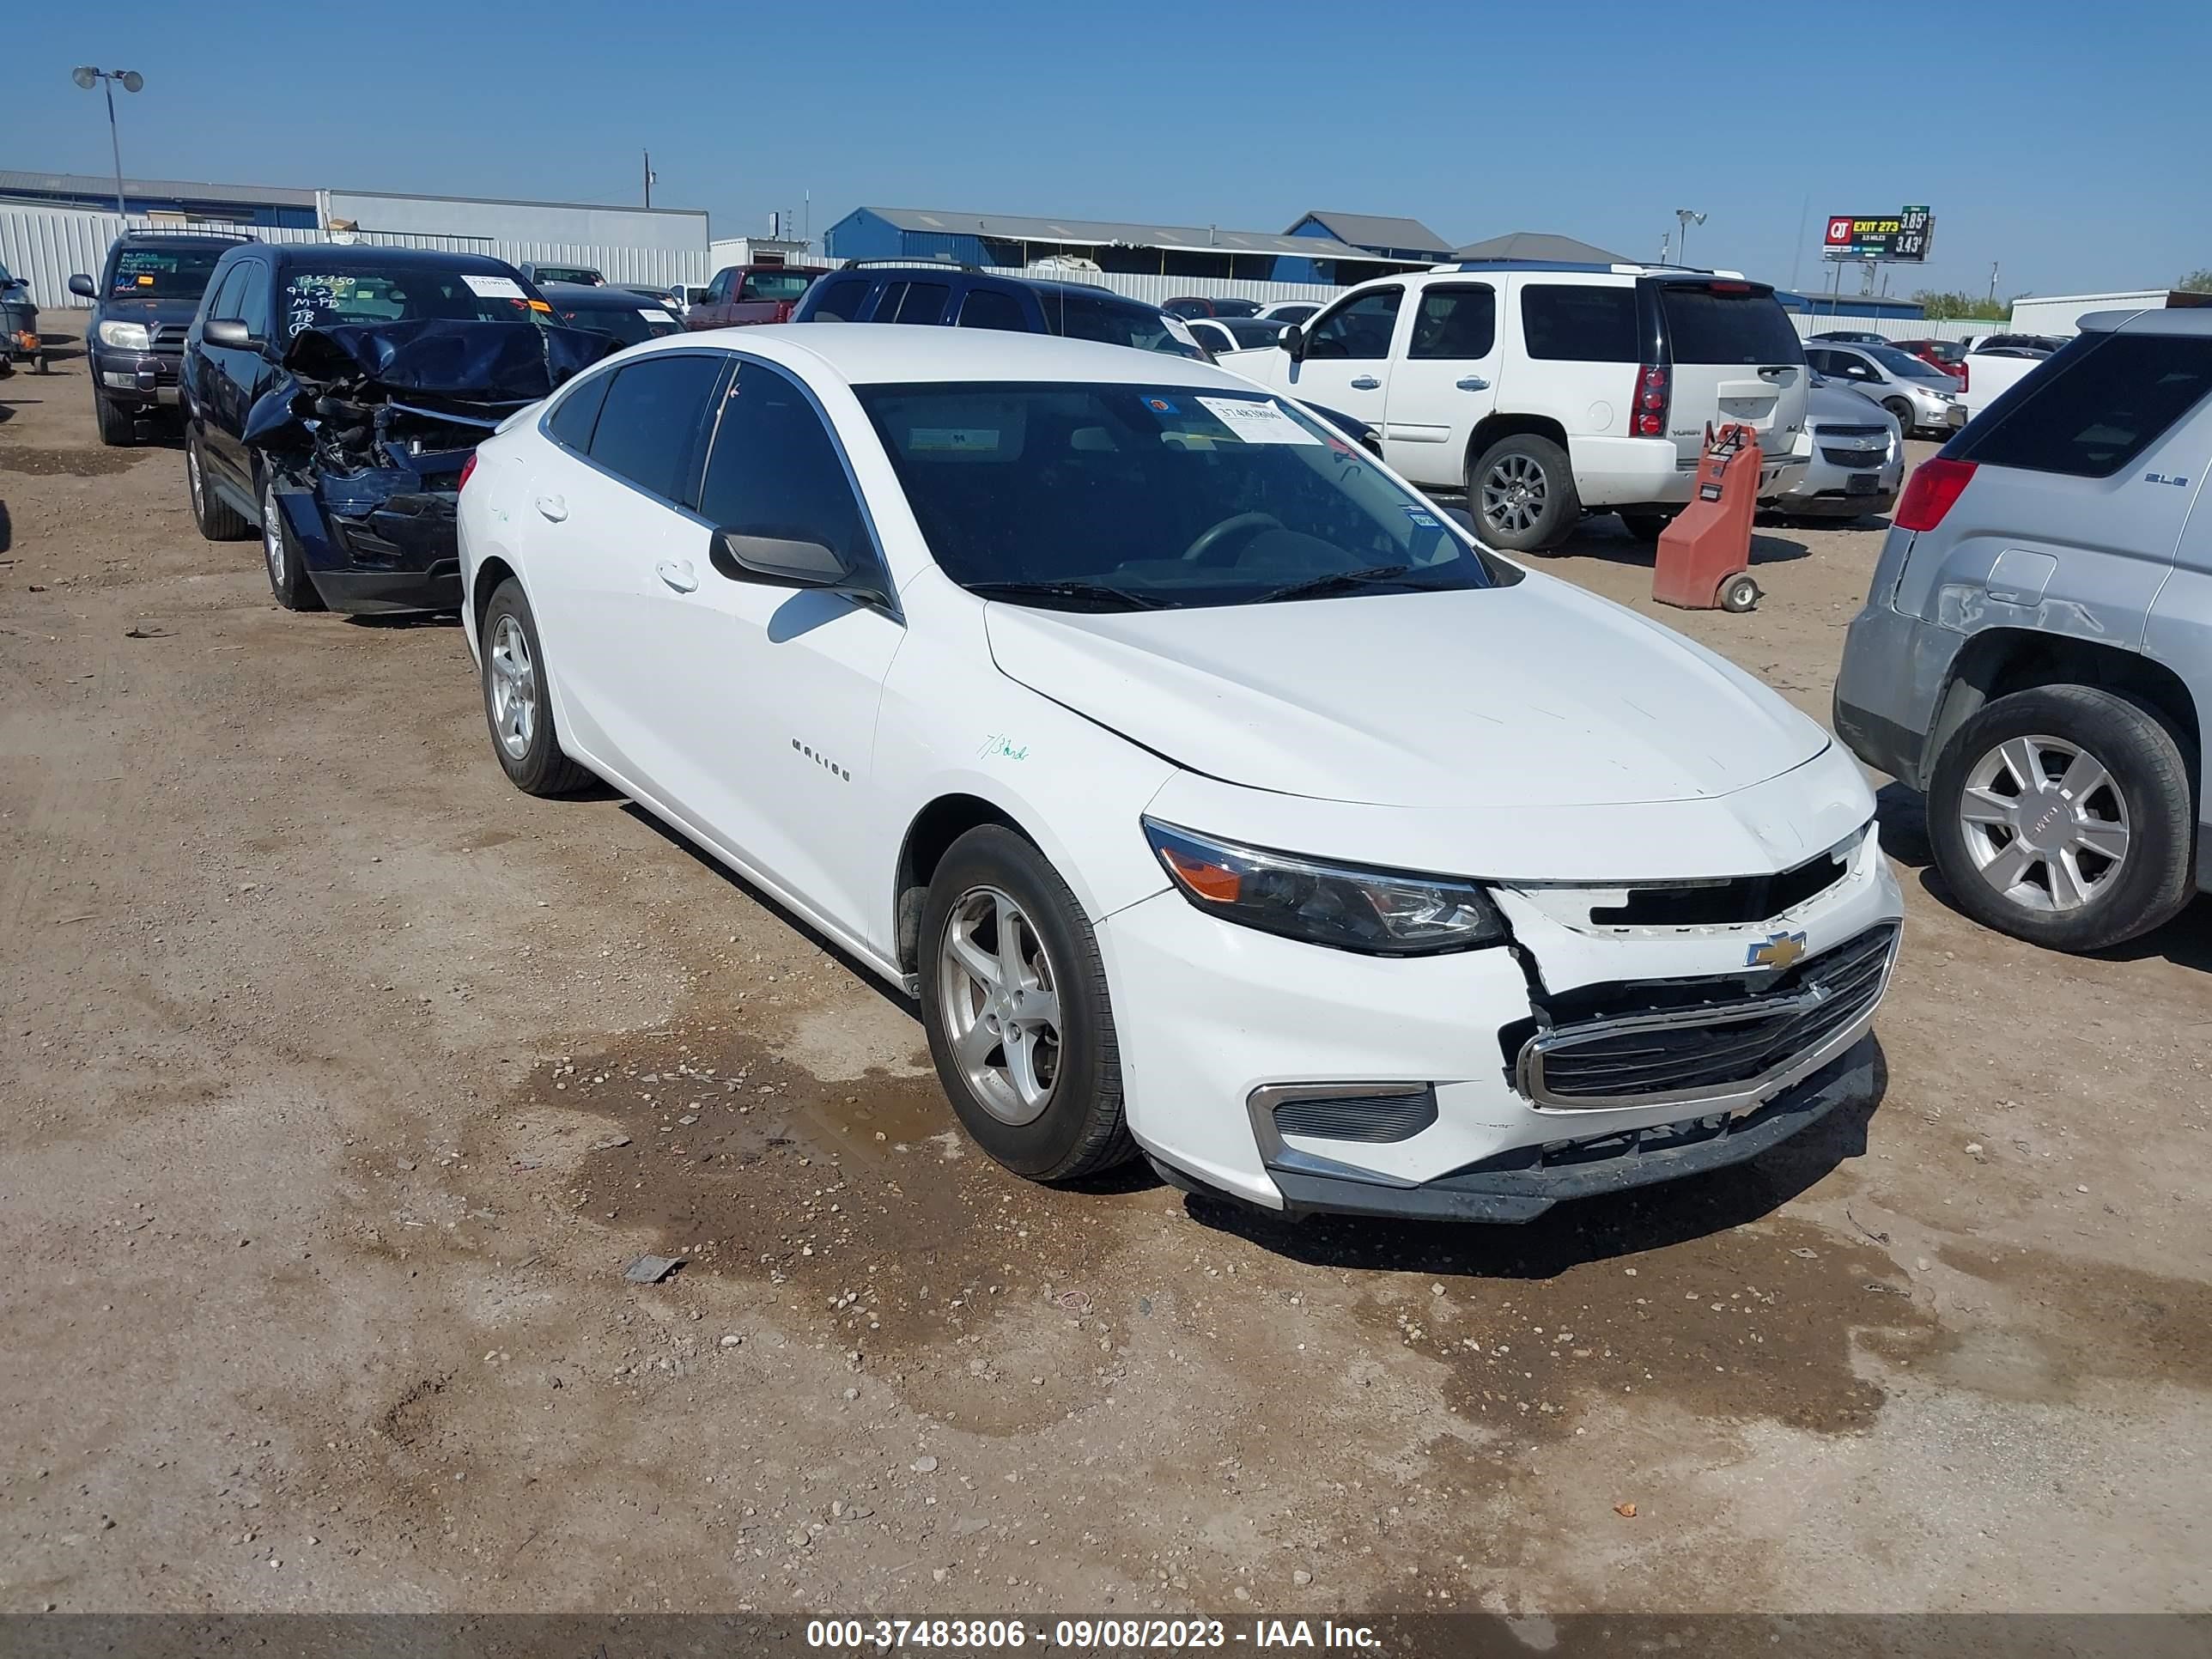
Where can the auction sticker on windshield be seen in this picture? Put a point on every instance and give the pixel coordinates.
(653, 316)
(1255, 422)
(493, 288)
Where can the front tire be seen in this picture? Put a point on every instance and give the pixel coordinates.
(1521, 494)
(1014, 1001)
(517, 705)
(287, 578)
(1902, 412)
(2063, 816)
(119, 430)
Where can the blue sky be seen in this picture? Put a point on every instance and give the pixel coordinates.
(2058, 145)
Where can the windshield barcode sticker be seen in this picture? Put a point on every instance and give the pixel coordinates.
(970, 439)
(493, 288)
(1253, 421)
(653, 316)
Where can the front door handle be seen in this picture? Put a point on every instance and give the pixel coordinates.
(553, 506)
(678, 573)
(1365, 383)
(1472, 383)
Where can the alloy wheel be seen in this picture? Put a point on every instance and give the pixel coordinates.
(192, 476)
(1000, 1000)
(272, 535)
(2045, 823)
(513, 686)
(1513, 493)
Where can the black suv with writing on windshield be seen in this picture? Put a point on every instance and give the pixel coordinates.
(148, 287)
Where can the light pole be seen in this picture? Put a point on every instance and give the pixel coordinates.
(1686, 218)
(84, 75)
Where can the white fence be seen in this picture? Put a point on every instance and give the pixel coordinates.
(47, 246)
(1810, 323)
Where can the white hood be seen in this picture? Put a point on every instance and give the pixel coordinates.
(1536, 694)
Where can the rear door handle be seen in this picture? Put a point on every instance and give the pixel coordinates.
(553, 507)
(678, 573)
(1473, 382)
(1365, 383)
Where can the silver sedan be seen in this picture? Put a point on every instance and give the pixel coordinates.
(1918, 394)
(1858, 464)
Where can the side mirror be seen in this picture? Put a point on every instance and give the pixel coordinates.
(774, 560)
(228, 331)
(1294, 342)
(81, 286)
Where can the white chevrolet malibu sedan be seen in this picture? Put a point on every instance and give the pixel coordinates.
(1216, 798)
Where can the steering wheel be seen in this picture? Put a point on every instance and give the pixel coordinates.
(1209, 539)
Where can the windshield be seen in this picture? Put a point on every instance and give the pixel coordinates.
(628, 323)
(318, 299)
(1905, 365)
(581, 274)
(774, 284)
(1128, 497)
(162, 273)
(1116, 322)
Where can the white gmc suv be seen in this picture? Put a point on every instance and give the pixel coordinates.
(1548, 392)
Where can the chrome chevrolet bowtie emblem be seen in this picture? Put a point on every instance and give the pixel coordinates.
(1776, 950)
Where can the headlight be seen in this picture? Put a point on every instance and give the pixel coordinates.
(1375, 912)
(126, 337)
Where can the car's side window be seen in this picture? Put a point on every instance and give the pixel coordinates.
(1360, 329)
(774, 470)
(1458, 322)
(718, 289)
(578, 412)
(1580, 323)
(923, 302)
(648, 426)
(224, 306)
(1856, 368)
(842, 301)
(253, 309)
(993, 307)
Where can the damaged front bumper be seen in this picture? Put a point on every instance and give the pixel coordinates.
(380, 539)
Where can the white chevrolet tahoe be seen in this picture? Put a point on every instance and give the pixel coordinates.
(1548, 392)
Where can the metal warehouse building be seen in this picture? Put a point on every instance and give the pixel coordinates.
(1310, 252)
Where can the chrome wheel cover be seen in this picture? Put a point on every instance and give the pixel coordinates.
(999, 995)
(272, 535)
(2045, 823)
(1514, 492)
(513, 678)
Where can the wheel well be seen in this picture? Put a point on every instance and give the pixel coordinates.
(1490, 427)
(489, 574)
(2002, 660)
(934, 830)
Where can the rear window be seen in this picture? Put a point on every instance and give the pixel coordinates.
(1580, 323)
(1725, 326)
(774, 284)
(2091, 409)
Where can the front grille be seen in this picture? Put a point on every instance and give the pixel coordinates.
(169, 336)
(1853, 458)
(1375, 1120)
(1721, 903)
(1731, 1044)
(1877, 433)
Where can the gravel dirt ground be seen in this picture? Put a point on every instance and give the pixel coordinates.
(342, 1082)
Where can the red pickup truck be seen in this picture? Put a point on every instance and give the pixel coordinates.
(750, 294)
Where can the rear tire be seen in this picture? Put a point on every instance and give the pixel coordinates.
(217, 520)
(1521, 494)
(118, 428)
(1646, 526)
(1014, 1001)
(518, 706)
(2132, 799)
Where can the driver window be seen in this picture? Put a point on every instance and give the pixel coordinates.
(774, 470)
(1359, 331)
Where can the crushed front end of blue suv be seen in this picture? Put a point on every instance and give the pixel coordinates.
(364, 436)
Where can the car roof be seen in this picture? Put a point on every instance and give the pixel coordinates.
(2189, 321)
(389, 258)
(874, 354)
